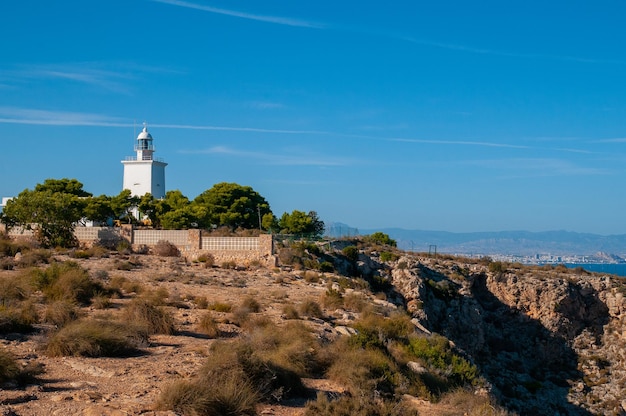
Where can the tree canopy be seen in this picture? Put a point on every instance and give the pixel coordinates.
(299, 222)
(231, 205)
(52, 210)
(54, 207)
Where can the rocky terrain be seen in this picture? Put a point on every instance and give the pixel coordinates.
(544, 340)
(548, 341)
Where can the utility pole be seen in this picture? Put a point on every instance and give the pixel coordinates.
(258, 209)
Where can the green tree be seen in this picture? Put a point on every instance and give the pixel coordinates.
(122, 205)
(231, 205)
(299, 222)
(52, 210)
(98, 209)
(381, 238)
(63, 186)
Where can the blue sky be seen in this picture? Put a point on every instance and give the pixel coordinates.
(444, 115)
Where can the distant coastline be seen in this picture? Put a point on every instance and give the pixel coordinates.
(618, 269)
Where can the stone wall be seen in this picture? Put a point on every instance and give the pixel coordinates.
(192, 243)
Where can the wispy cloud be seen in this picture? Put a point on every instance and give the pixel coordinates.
(14, 115)
(612, 140)
(459, 143)
(242, 129)
(265, 105)
(290, 159)
(110, 76)
(515, 168)
(493, 52)
(261, 18)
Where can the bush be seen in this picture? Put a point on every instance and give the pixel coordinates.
(67, 281)
(12, 372)
(332, 299)
(290, 312)
(251, 304)
(364, 371)
(207, 259)
(220, 307)
(201, 302)
(351, 252)
(208, 326)
(311, 308)
(150, 318)
(386, 256)
(380, 238)
(60, 313)
(435, 351)
(9, 369)
(356, 406)
(210, 397)
(326, 267)
(18, 318)
(165, 249)
(95, 338)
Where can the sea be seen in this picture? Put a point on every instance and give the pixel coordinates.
(618, 269)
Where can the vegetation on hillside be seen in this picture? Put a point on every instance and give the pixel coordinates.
(53, 210)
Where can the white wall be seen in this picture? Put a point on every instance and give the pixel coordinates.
(146, 176)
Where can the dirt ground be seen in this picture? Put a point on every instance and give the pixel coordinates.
(131, 385)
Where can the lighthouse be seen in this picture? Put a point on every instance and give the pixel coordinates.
(143, 173)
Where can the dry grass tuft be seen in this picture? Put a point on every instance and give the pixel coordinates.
(149, 317)
(208, 326)
(95, 338)
(60, 313)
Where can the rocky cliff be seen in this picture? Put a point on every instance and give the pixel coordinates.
(547, 341)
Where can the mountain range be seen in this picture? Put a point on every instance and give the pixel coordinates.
(521, 243)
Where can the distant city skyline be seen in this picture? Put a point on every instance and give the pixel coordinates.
(449, 116)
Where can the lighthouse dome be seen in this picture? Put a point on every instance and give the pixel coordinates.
(144, 134)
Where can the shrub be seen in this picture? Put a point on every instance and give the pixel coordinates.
(364, 371)
(124, 247)
(229, 395)
(497, 267)
(351, 252)
(251, 304)
(356, 406)
(311, 308)
(436, 352)
(12, 372)
(332, 299)
(95, 338)
(207, 259)
(101, 301)
(148, 317)
(67, 281)
(18, 318)
(291, 347)
(220, 307)
(355, 302)
(326, 267)
(229, 265)
(290, 312)
(165, 249)
(9, 369)
(201, 302)
(387, 256)
(32, 258)
(60, 313)
(208, 326)
(380, 238)
(14, 290)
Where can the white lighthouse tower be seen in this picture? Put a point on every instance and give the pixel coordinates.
(143, 173)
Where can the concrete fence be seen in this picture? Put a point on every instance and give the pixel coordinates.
(191, 243)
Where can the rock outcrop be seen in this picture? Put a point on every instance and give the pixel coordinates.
(548, 341)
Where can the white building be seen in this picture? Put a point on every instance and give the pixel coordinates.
(143, 173)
